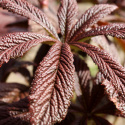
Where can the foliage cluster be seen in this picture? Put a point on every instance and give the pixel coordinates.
(60, 66)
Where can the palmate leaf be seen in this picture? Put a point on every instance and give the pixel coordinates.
(90, 17)
(52, 87)
(111, 70)
(91, 97)
(23, 8)
(94, 105)
(66, 14)
(16, 44)
(114, 29)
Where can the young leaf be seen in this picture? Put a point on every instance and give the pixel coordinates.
(16, 44)
(90, 17)
(52, 87)
(111, 70)
(114, 29)
(66, 14)
(26, 9)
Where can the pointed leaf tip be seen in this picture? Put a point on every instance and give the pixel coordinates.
(89, 18)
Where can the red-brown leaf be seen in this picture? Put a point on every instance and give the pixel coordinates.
(116, 95)
(114, 29)
(90, 17)
(66, 14)
(112, 71)
(16, 44)
(52, 87)
(106, 44)
(23, 8)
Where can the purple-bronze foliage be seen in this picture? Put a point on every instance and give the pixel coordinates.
(52, 88)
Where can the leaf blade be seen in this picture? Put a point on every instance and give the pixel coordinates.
(26, 9)
(52, 87)
(111, 70)
(16, 44)
(114, 29)
(106, 44)
(90, 17)
(66, 13)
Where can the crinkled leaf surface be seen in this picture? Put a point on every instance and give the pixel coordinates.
(90, 17)
(23, 8)
(111, 70)
(114, 29)
(66, 14)
(116, 95)
(91, 97)
(106, 44)
(52, 87)
(16, 44)
(93, 100)
(53, 83)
